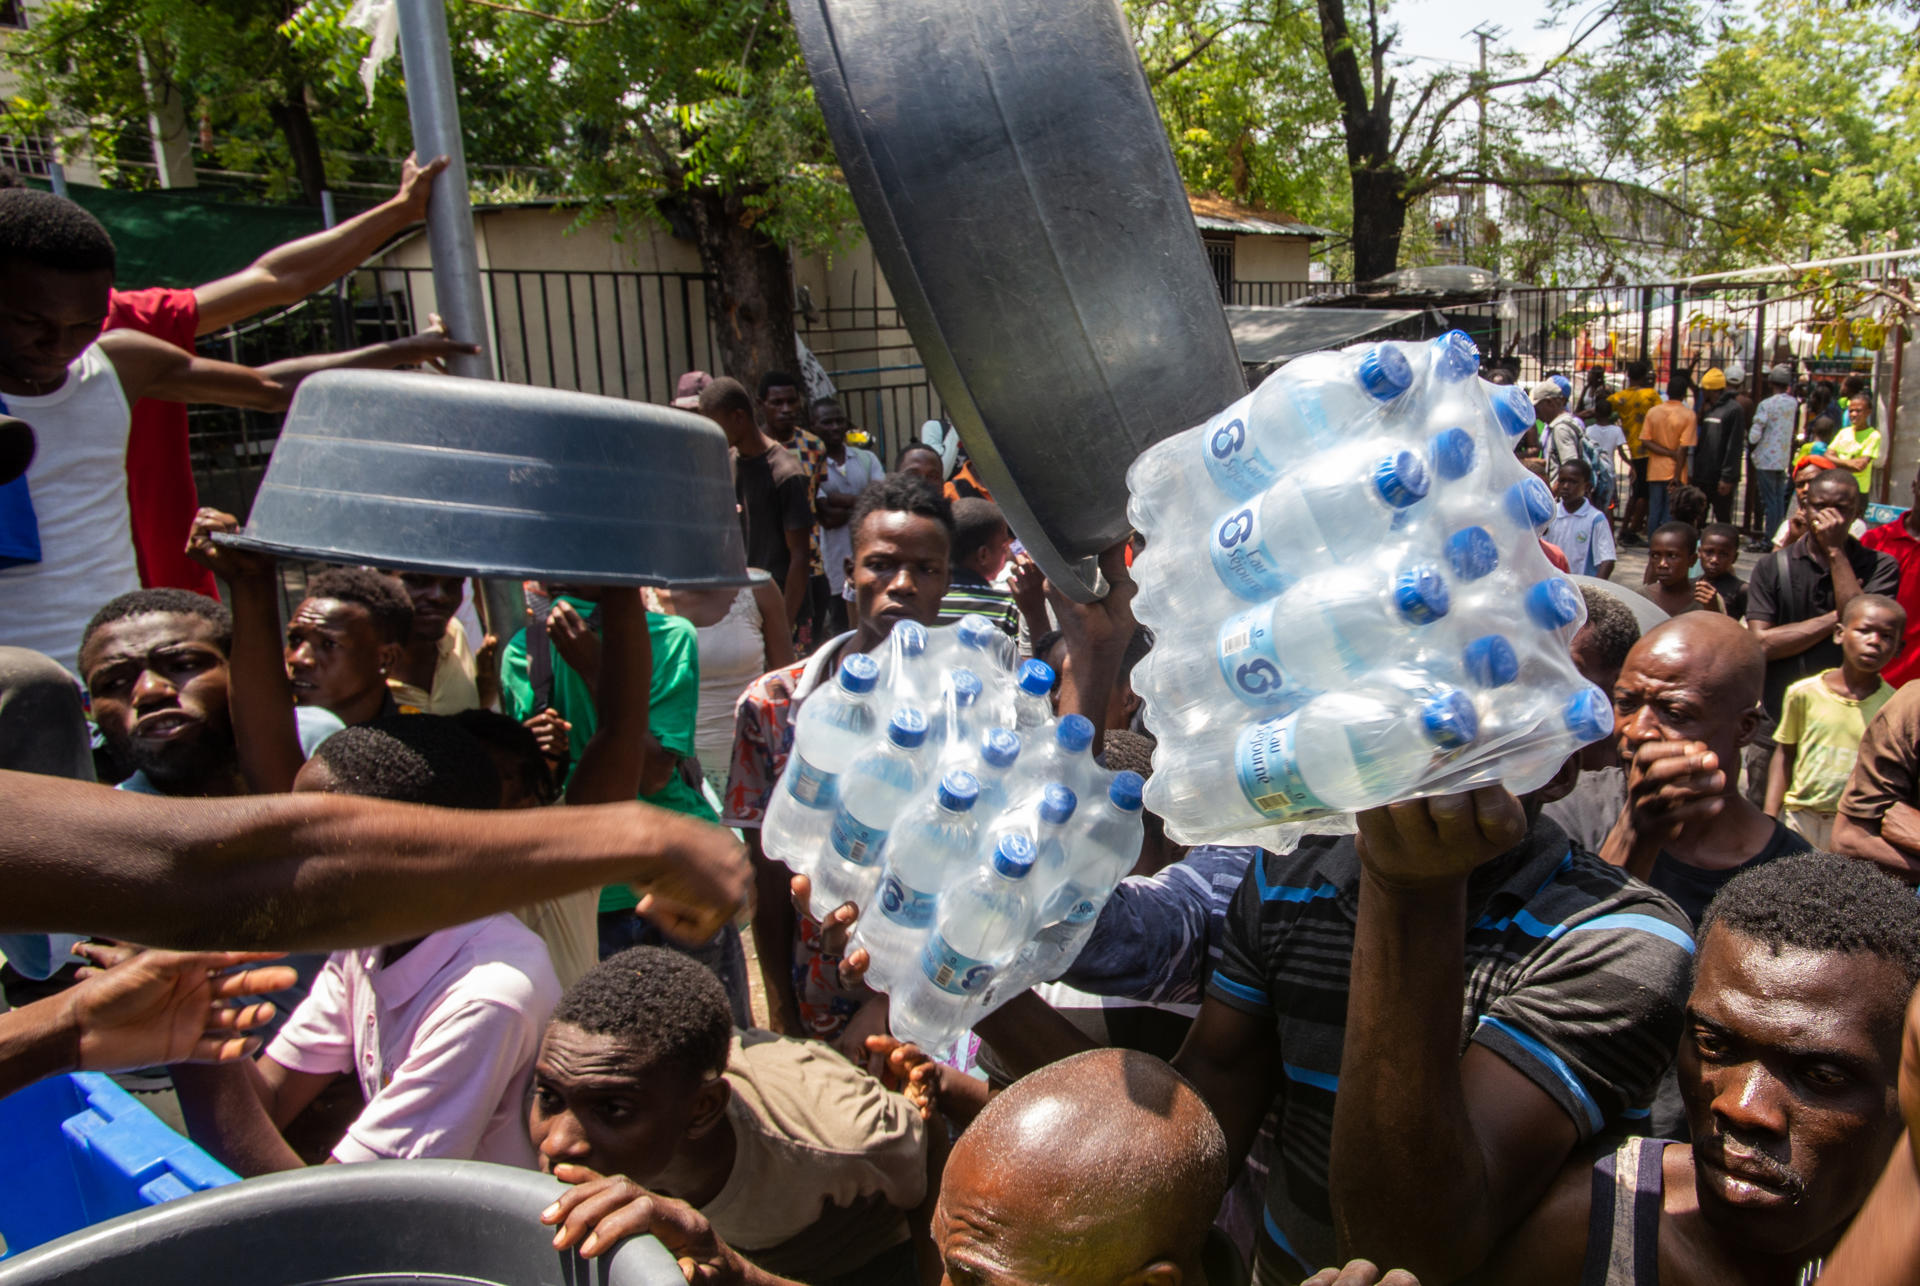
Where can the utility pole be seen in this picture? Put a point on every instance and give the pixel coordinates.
(1476, 209)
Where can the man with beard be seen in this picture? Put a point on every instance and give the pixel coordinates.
(155, 662)
(1789, 1072)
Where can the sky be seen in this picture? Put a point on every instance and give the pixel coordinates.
(1437, 29)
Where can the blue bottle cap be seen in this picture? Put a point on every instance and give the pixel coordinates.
(1074, 733)
(1529, 503)
(1013, 856)
(1491, 661)
(1400, 479)
(966, 686)
(1589, 715)
(910, 637)
(1420, 595)
(858, 673)
(1448, 719)
(1455, 356)
(958, 790)
(976, 631)
(1127, 791)
(1514, 409)
(1554, 603)
(1384, 373)
(1452, 454)
(1471, 553)
(1036, 678)
(1000, 747)
(907, 728)
(1057, 803)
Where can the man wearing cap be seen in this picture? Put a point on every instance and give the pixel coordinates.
(1561, 440)
(1719, 444)
(1770, 439)
(686, 394)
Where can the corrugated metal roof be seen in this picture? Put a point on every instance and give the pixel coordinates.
(1217, 214)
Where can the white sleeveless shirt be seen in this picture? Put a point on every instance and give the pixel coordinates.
(78, 482)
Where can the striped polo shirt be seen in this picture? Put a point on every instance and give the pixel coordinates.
(1577, 975)
(967, 592)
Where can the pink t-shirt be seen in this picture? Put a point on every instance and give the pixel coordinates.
(443, 1041)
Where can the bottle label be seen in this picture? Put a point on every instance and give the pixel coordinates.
(1250, 661)
(1269, 771)
(855, 840)
(1242, 559)
(814, 787)
(952, 972)
(1235, 464)
(904, 906)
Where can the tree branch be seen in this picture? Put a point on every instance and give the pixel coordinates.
(536, 13)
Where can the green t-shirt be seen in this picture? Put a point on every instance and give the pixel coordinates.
(1854, 443)
(675, 698)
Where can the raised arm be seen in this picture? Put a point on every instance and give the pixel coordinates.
(613, 763)
(289, 273)
(314, 872)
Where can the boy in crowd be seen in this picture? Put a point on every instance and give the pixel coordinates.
(438, 671)
(796, 1158)
(1670, 557)
(982, 544)
(441, 1030)
(1788, 1073)
(1822, 719)
(1580, 530)
(1719, 548)
(345, 638)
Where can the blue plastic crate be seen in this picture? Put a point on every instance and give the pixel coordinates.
(75, 1150)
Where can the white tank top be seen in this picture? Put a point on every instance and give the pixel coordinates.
(733, 653)
(78, 481)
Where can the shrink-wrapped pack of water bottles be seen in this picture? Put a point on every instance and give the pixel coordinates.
(932, 786)
(1349, 599)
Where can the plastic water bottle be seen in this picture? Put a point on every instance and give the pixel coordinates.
(930, 847)
(1032, 700)
(992, 763)
(912, 674)
(1336, 626)
(1340, 751)
(1311, 406)
(956, 717)
(984, 645)
(873, 792)
(979, 926)
(1577, 720)
(835, 724)
(1105, 846)
(1052, 812)
(1061, 757)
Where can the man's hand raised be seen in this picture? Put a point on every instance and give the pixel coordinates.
(161, 1007)
(1422, 843)
(416, 184)
(234, 566)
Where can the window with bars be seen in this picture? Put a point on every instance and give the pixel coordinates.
(12, 13)
(1220, 259)
(28, 154)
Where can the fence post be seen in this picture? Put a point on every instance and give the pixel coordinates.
(1646, 318)
(1673, 335)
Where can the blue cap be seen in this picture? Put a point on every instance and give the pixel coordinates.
(1000, 747)
(1451, 453)
(859, 672)
(1126, 791)
(1471, 553)
(1036, 678)
(1074, 732)
(1057, 803)
(1420, 595)
(976, 630)
(1564, 384)
(1013, 856)
(1529, 503)
(958, 790)
(907, 728)
(910, 637)
(1514, 409)
(1554, 603)
(966, 685)
(1400, 479)
(1491, 661)
(1448, 719)
(1589, 714)
(1384, 373)
(1455, 356)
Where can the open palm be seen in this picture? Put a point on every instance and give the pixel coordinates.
(160, 1007)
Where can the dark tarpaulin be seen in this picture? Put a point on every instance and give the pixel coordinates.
(177, 239)
(1267, 335)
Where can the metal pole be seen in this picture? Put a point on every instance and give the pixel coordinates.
(435, 114)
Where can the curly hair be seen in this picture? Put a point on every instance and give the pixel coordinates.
(1823, 902)
(53, 232)
(670, 1009)
(146, 602)
(384, 597)
(906, 493)
(413, 759)
(1610, 625)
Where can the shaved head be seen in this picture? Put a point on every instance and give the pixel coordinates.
(1697, 677)
(1102, 1168)
(1730, 663)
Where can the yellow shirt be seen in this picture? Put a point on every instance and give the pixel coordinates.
(1631, 406)
(1853, 443)
(456, 679)
(1826, 729)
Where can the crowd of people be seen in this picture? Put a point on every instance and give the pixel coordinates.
(1643, 1024)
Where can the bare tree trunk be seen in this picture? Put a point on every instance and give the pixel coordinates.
(1379, 218)
(752, 303)
(1366, 119)
(295, 124)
